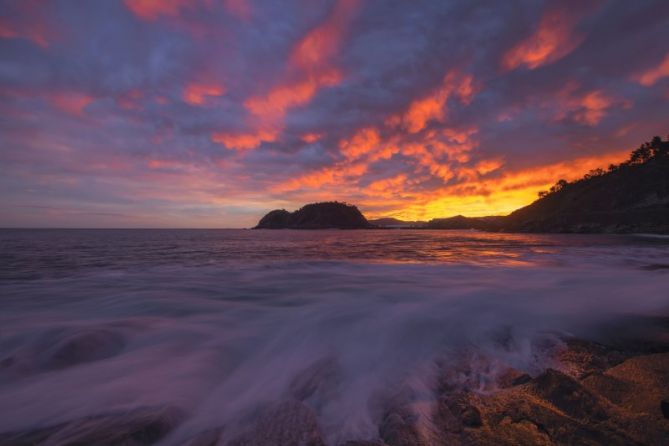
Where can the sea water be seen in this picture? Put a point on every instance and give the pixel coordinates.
(222, 323)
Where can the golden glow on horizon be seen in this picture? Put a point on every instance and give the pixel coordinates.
(496, 196)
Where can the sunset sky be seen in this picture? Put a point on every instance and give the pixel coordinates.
(185, 113)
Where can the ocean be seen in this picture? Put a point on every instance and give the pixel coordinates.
(219, 325)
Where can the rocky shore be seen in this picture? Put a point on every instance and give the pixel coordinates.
(592, 393)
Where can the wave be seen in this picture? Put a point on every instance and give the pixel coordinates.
(225, 344)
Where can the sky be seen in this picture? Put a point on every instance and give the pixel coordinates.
(209, 113)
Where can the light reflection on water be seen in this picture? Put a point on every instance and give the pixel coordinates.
(41, 253)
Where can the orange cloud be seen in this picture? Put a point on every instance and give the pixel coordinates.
(495, 196)
(199, 93)
(322, 43)
(152, 9)
(277, 102)
(32, 25)
(339, 175)
(311, 138)
(130, 100)
(593, 107)
(72, 103)
(243, 141)
(651, 76)
(311, 61)
(363, 142)
(427, 160)
(388, 187)
(433, 107)
(553, 39)
(310, 68)
(159, 164)
(587, 108)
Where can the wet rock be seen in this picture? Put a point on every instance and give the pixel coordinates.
(206, 438)
(317, 382)
(512, 377)
(582, 358)
(609, 387)
(471, 417)
(28, 438)
(646, 378)
(82, 347)
(364, 443)
(60, 349)
(518, 417)
(568, 395)
(136, 428)
(398, 430)
(455, 412)
(290, 423)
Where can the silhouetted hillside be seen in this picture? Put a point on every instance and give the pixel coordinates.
(629, 197)
(328, 215)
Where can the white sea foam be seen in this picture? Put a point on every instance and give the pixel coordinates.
(222, 342)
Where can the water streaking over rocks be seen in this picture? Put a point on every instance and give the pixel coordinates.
(329, 337)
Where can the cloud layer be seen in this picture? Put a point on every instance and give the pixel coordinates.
(208, 113)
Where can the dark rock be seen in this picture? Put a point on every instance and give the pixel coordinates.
(582, 358)
(364, 443)
(568, 395)
(288, 424)
(206, 438)
(664, 406)
(398, 430)
(471, 417)
(136, 428)
(520, 420)
(84, 346)
(458, 411)
(61, 348)
(317, 382)
(327, 215)
(512, 377)
(522, 379)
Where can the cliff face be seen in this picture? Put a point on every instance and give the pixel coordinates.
(328, 215)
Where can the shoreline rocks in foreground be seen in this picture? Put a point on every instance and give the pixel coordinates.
(591, 393)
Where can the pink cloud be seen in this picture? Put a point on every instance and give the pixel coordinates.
(553, 39)
(653, 75)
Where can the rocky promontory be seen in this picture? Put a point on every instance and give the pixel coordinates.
(325, 215)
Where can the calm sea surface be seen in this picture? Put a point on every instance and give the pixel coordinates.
(221, 323)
